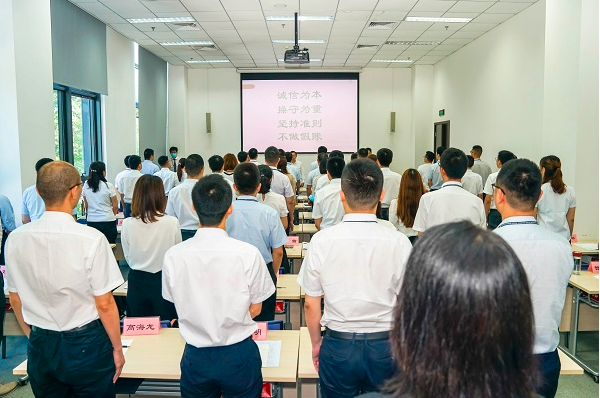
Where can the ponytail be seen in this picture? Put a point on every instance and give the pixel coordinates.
(553, 173)
(266, 174)
(95, 175)
(180, 167)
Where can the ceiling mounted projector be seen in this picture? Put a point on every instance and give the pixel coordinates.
(295, 55)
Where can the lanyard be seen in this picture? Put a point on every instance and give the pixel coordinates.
(361, 221)
(516, 223)
(452, 185)
(247, 200)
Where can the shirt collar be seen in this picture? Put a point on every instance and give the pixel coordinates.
(359, 217)
(337, 181)
(57, 215)
(210, 232)
(518, 219)
(452, 184)
(247, 197)
(189, 181)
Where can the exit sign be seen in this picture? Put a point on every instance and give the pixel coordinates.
(442, 112)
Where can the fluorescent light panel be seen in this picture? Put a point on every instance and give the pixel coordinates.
(442, 19)
(188, 43)
(209, 61)
(311, 60)
(161, 20)
(392, 60)
(300, 18)
(299, 41)
(413, 43)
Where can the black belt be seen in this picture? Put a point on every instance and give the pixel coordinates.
(357, 336)
(92, 325)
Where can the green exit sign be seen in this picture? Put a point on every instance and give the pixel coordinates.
(442, 112)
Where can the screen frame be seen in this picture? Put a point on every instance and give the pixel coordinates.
(301, 76)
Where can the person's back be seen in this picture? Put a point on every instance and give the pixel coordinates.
(425, 168)
(480, 167)
(148, 167)
(33, 206)
(434, 179)
(127, 183)
(179, 203)
(100, 201)
(391, 180)
(472, 182)
(168, 177)
(328, 209)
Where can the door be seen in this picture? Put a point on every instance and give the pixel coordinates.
(441, 134)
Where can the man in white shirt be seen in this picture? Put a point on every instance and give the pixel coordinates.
(425, 168)
(215, 164)
(546, 258)
(217, 285)
(391, 181)
(253, 155)
(471, 181)
(479, 166)
(127, 183)
(294, 171)
(33, 206)
(118, 180)
(493, 215)
(243, 157)
(60, 277)
(310, 190)
(315, 165)
(357, 265)
(328, 209)
(451, 202)
(179, 203)
(434, 179)
(147, 166)
(168, 177)
(281, 183)
(297, 163)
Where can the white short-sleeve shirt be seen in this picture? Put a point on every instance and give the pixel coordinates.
(391, 186)
(489, 190)
(449, 204)
(548, 263)
(322, 182)
(472, 183)
(57, 267)
(482, 168)
(281, 183)
(99, 205)
(213, 279)
(397, 222)
(274, 201)
(357, 265)
(424, 170)
(552, 210)
(145, 244)
(118, 179)
(127, 184)
(328, 204)
(179, 205)
(169, 179)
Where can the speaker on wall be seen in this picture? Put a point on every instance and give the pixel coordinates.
(392, 122)
(208, 123)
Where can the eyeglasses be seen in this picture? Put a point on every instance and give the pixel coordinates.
(76, 185)
(494, 186)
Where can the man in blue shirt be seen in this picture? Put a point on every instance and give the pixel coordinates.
(259, 225)
(33, 205)
(148, 167)
(434, 177)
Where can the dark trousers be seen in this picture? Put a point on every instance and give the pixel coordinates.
(494, 219)
(232, 371)
(549, 365)
(187, 234)
(267, 313)
(348, 368)
(144, 296)
(385, 213)
(285, 263)
(76, 364)
(127, 210)
(3, 309)
(108, 228)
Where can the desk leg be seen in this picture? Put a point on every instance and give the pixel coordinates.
(279, 393)
(574, 321)
(319, 388)
(298, 388)
(286, 304)
(302, 312)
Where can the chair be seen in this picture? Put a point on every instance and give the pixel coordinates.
(276, 324)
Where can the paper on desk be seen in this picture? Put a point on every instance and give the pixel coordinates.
(270, 351)
(587, 246)
(597, 276)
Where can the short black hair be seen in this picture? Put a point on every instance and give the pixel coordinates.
(321, 156)
(253, 153)
(454, 162)
(471, 161)
(385, 156)
(369, 150)
(322, 149)
(163, 160)
(281, 153)
(477, 149)
(362, 182)
(173, 149)
(288, 157)
(194, 165)
(293, 152)
(211, 197)
(504, 156)
(440, 150)
(242, 156)
(148, 153)
(272, 155)
(215, 163)
(134, 162)
(521, 181)
(126, 160)
(362, 152)
(430, 156)
(336, 153)
(246, 178)
(323, 164)
(354, 156)
(40, 163)
(335, 166)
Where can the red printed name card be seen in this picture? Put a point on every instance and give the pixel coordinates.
(141, 326)
(3, 270)
(261, 333)
(293, 241)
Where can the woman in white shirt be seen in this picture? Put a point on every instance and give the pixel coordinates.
(404, 209)
(100, 202)
(556, 207)
(146, 237)
(229, 163)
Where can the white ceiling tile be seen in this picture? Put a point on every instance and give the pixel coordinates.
(471, 6)
(508, 8)
(400, 65)
(172, 14)
(275, 5)
(412, 54)
(312, 5)
(405, 35)
(125, 27)
(250, 25)
(432, 14)
(246, 16)
(163, 6)
(127, 9)
(192, 34)
(455, 41)
(152, 27)
(202, 5)
(389, 48)
(110, 18)
(471, 15)
(208, 26)
(448, 27)
(466, 35)
(450, 47)
(493, 18)
(217, 34)
(413, 26)
(210, 16)
(478, 27)
(353, 15)
(434, 35)
(241, 5)
(432, 5)
(441, 53)
(366, 5)
(94, 8)
(392, 16)
(163, 36)
(395, 5)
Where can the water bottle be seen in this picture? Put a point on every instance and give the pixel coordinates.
(576, 263)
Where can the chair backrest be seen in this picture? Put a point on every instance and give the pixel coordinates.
(276, 324)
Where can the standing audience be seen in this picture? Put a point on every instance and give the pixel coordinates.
(168, 177)
(403, 209)
(493, 216)
(127, 183)
(472, 182)
(100, 202)
(425, 168)
(179, 203)
(391, 181)
(33, 205)
(229, 163)
(328, 209)
(479, 166)
(147, 166)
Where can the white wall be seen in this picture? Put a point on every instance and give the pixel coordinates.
(178, 111)
(422, 121)
(119, 104)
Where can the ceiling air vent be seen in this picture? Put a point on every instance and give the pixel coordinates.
(211, 47)
(186, 26)
(382, 25)
(367, 47)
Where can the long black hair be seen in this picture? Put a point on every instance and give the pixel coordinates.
(266, 174)
(95, 175)
(463, 323)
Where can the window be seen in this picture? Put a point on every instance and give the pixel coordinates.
(77, 132)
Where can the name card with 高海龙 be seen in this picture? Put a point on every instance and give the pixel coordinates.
(141, 326)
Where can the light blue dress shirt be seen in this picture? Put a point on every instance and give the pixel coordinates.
(435, 176)
(149, 168)
(7, 215)
(33, 204)
(257, 224)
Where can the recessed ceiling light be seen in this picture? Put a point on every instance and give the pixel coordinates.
(413, 43)
(432, 19)
(188, 43)
(161, 20)
(299, 41)
(392, 60)
(208, 61)
(300, 18)
(280, 5)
